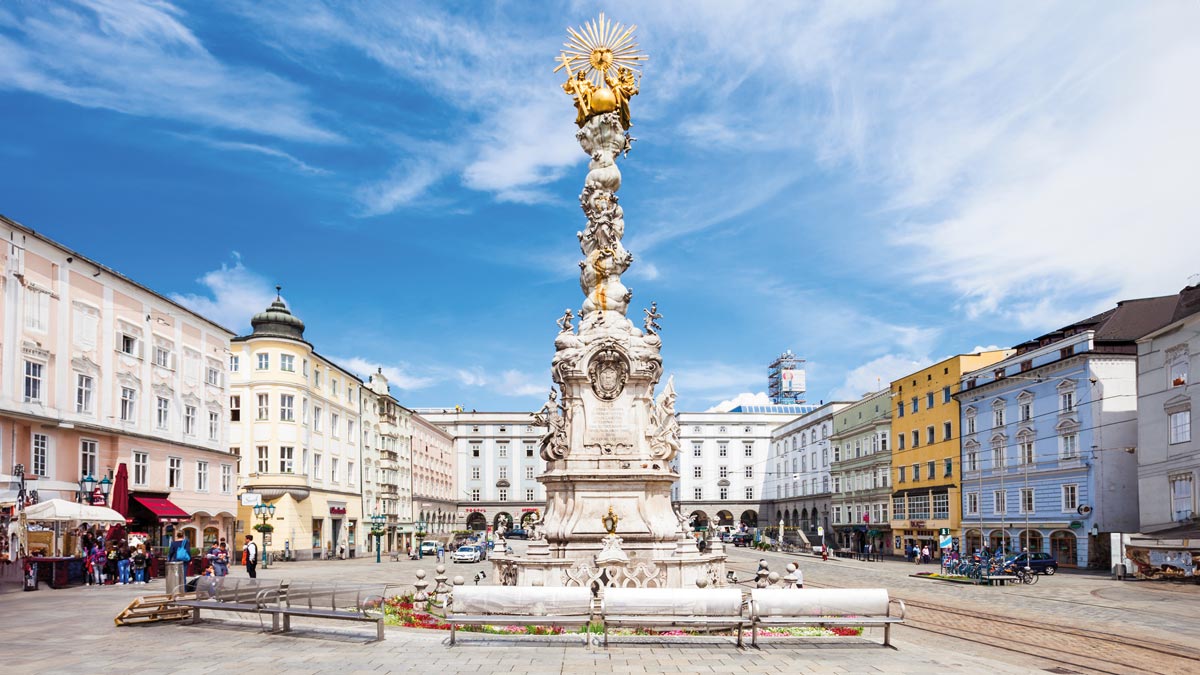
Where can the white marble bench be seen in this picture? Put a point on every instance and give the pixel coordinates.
(855, 607)
(659, 608)
(519, 605)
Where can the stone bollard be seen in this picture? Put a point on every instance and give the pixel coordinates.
(701, 582)
(442, 589)
(420, 584)
(790, 580)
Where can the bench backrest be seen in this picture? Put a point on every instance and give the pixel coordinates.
(242, 591)
(521, 600)
(785, 602)
(333, 596)
(673, 602)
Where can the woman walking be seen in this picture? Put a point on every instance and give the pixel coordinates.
(138, 562)
(123, 564)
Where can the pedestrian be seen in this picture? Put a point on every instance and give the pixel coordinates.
(123, 564)
(180, 551)
(98, 560)
(138, 562)
(250, 557)
(218, 557)
(441, 552)
(925, 554)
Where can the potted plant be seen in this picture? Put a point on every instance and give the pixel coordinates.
(264, 527)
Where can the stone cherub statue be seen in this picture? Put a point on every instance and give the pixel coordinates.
(651, 320)
(553, 417)
(664, 428)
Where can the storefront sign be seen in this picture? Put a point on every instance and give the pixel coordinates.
(474, 510)
(251, 499)
(1076, 525)
(528, 510)
(337, 510)
(916, 524)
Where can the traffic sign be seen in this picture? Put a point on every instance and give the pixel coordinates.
(945, 541)
(945, 532)
(820, 532)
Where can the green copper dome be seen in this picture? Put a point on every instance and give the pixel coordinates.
(277, 321)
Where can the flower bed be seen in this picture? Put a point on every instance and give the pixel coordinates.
(402, 611)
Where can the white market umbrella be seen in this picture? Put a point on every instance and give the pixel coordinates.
(61, 511)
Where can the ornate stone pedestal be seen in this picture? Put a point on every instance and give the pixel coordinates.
(609, 444)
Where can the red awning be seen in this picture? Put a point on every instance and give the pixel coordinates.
(164, 509)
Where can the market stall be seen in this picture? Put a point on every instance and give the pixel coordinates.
(51, 550)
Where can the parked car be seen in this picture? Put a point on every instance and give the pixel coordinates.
(467, 554)
(429, 548)
(516, 534)
(1039, 563)
(743, 540)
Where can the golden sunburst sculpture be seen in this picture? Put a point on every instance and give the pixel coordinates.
(601, 59)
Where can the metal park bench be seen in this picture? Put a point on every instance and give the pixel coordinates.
(709, 608)
(328, 600)
(825, 607)
(519, 605)
(230, 594)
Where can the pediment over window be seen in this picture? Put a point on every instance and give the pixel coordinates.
(1067, 424)
(1025, 396)
(971, 445)
(1066, 385)
(1026, 432)
(970, 411)
(999, 403)
(1177, 404)
(999, 438)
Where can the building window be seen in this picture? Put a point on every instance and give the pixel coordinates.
(129, 344)
(162, 356)
(141, 468)
(163, 418)
(1066, 402)
(918, 507)
(502, 450)
(529, 494)
(350, 430)
(128, 405)
(37, 310)
(1025, 449)
(529, 473)
(900, 439)
(696, 448)
(33, 382)
(40, 455)
(175, 473)
(1026, 411)
(287, 411)
(723, 472)
(973, 503)
(87, 457)
(287, 363)
(748, 449)
(264, 407)
(998, 417)
(264, 458)
(474, 449)
(213, 376)
(235, 408)
(316, 472)
(999, 456)
(334, 418)
(698, 472)
(502, 472)
(1000, 501)
(475, 473)
(214, 426)
(1182, 497)
(945, 394)
(1181, 426)
(529, 449)
(350, 473)
(900, 476)
(287, 459)
(941, 506)
(949, 462)
(235, 363)
(900, 409)
(970, 424)
(84, 386)
(201, 476)
(1068, 446)
(722, 449)
(1177, 367)
(916, 438)
(723, 493)
(947, 431)
(917, 472)
(972, 456)
(932, 468)
(502, 494)
(226, 479)
(749, 472)
(749, 493)
(930, 438)
(474, 494)
(333, 470)
(263, 361)
(1026, 500)
(898, 508)
(1070, 498)
(318, 417)
(929, 401)
(698, 493)
(189, 420)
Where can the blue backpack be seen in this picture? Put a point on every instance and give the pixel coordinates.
(181, 554)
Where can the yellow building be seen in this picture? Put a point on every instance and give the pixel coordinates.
(295, 424)
(926, 476)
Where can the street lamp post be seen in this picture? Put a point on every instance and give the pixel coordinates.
(377, 531)
(106, 488)
(86, 485)
(264, 512)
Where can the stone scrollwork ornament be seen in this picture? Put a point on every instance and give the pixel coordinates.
(664, 428)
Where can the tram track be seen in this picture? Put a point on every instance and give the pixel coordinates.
(1079, 650)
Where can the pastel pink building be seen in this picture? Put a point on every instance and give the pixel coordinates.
(97, 371)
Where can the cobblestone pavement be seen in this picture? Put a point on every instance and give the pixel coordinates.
(71, 630)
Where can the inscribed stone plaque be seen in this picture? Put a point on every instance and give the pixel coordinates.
(608, 425)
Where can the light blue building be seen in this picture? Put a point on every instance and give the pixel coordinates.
(1049, 437)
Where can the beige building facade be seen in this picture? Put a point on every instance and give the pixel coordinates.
(294, 422)
(99, 371)
(434, 487)
(387, 465)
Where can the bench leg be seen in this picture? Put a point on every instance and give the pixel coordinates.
(379, 630)
(754, 636)
(451, 633)
(739, 642)
(287, 622)
(195, 615)
(606, 636)
(887, 635)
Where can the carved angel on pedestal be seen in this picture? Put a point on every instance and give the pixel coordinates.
(553, 417)
(650, 321)
(565, 322)
(580, 88)
(664, 428)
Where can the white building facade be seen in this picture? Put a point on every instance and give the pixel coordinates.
(387, 465)
(800, 459)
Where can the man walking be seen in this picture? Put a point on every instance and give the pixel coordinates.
(250, 557)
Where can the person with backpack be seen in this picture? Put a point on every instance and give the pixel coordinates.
(138, 562)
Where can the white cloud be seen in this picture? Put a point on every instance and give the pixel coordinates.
(510, 382)
(399, 375)
(406, 184)
(234, 294)
(745, 398)
(139, 58)
(875, 374)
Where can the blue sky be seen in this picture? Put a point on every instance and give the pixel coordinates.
(873, 185)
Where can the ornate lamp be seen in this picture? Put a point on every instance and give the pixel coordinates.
(105, 488)
(86, 485)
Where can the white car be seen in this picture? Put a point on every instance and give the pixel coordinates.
(467, 554)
